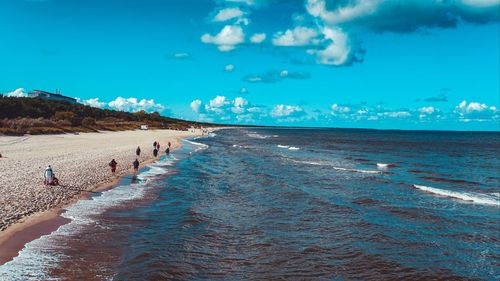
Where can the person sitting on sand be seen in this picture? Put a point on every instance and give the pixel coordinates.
(48, 176)
(155, 152)
(136, 165)
(113, 164)
(138, 151)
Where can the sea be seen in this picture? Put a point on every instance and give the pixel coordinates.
(289, 204)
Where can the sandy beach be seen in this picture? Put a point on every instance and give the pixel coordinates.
(80, 162)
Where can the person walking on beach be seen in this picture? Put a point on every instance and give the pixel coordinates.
(154, 144)
(158, 146)
(113, 164)
(167, 151)
(48, 176)
(169, 144)
(138, 151)
(136, 165)
(155, 152)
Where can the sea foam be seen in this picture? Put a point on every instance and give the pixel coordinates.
(464, 196)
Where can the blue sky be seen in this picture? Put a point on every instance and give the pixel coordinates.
(423, 64)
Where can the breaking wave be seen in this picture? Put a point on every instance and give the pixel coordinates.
(464, 196)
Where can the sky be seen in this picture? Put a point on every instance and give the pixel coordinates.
(382, 64)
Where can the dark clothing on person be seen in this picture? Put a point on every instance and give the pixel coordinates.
(113, 164)
(167, 151)
(154, 144)
(138, 151)
(155, 152)
(136, 164)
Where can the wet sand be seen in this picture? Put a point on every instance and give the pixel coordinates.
(81, 164)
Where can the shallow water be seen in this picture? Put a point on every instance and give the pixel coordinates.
(300, 204)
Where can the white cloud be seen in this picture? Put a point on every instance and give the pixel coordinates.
(395, 114)
(94, 102)
(281, 110)
(299, 36)
(227, 14)
(317, 8)
(258, 38)
(218, 101)
(133, 105)
(427, 110)
(226, 39)
(229, 67)
(239, 104)
(195, 105)
(339, 109)
(475, 111)
(337, 52)
(244, 90)
(17, 93)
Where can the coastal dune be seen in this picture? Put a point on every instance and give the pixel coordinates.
(80, 162)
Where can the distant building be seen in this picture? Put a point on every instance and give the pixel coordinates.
(50, 96)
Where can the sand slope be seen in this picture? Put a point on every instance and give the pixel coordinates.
(79, 161)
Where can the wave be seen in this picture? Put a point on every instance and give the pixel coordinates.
(242, 146)
(465, 196)
(385, 165)
(288, 147)
(326, 163)
(258, 136)
(38, 257)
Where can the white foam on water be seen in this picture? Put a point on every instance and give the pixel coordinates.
(382, 165)
(257, 136)
(39, 256)
(357, 170)
(212, 135)
(464, 196)
(326, 163)
(293, 148)
(241, 146)
(283, 146)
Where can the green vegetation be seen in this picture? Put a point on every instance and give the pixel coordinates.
(20, 116)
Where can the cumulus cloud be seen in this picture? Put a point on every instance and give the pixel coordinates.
(299, 36)
(229, 68)
(339, 109)
(282, 110)
(273, 76)
(220, 108)
(393, 16)
(195, 105)
(17, 93)
(475, 111)
(227, 39)
(94, 102)
(338, 51)
(133, 105)
(258, 38)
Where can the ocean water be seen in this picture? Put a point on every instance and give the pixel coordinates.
(289, 204)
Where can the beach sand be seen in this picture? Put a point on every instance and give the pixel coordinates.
(80, 162)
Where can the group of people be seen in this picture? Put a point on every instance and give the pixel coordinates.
(156, 148)
(50, 179)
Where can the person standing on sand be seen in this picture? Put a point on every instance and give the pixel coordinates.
(48, 175)
(154, 144)
(113, 164)
(158, 146)
(155, 152)
(167, 151)
(138, 151)
(136, 165)
(169, 144)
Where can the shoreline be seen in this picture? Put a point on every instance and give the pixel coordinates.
(32, 227)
